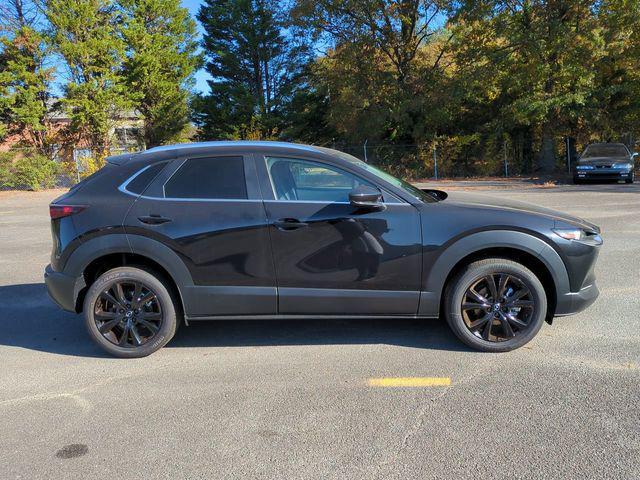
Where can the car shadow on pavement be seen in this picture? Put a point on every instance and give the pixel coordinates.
(416, 333)
(29, 319)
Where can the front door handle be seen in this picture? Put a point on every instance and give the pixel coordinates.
(154, 219)
(289, 224)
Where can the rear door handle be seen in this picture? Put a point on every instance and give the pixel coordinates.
(154, 220)
(289, 224)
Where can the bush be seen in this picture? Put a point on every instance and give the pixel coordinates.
(28, 171)
(6, 169)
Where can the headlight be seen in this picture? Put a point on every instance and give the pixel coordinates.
(584, 167)
(623, 166)
(570, 233)
(579, 235)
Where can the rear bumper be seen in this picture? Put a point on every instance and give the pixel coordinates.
(63, 289)
(574, 302)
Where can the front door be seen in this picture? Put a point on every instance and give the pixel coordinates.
(330, 257)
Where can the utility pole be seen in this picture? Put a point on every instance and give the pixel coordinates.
(506, 167)
(435, 159)
(365, 150)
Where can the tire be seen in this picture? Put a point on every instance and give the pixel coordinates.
(576, 181)
(120, 315)
(529, 318)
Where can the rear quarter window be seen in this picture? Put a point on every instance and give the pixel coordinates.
(144, 178)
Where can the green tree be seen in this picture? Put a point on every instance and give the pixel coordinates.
(161, 59)
(25, 77)
(86, 34)
(383, 67)
(255, 64)
(539, 57)
(615, 100)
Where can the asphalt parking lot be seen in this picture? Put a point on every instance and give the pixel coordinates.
(291, 400)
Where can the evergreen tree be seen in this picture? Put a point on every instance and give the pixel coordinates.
(85, 34)
(255, 65)
(25, 77)
(161, 58)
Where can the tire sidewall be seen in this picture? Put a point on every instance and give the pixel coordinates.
(169, 321)
(477, 270)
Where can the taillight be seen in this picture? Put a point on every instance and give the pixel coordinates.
(60, 211)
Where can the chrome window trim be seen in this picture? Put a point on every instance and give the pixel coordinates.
(329, 203)
(123, 186)
(172, 199)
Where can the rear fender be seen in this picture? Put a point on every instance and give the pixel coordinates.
(121, 243)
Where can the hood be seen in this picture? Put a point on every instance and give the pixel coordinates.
(603, 160)
(486, 201)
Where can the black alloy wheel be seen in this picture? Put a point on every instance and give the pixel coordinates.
(128, 313)
(497, 307)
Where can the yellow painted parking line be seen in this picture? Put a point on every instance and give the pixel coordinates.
(410, 382)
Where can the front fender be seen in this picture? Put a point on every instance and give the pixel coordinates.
(436, 273)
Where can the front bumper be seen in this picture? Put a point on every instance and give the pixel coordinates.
(63, 289)
(603, 174)
(574, 302)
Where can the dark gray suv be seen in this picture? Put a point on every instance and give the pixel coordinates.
(253, 230)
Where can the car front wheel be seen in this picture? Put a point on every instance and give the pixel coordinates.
(495, 305)
(129, 313)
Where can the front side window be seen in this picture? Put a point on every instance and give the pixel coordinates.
(208, 178)
(305, 180)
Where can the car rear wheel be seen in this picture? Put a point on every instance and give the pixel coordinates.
(495, 305)
(129, 312)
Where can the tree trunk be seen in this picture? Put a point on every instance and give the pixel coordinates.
(547, 156)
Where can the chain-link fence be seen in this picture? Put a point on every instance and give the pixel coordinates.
(468, 156)
(447, 158)
(443, 157)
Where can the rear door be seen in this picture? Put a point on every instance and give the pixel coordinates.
(208, 210)
(330, 257)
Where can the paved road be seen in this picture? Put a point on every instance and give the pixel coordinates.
(290, 400)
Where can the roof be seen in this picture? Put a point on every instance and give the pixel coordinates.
(601, 144)
(233, 143)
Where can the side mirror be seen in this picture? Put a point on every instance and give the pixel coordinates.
(364, 196)
(634, 155)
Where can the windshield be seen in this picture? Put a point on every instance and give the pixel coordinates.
(612, 150)
(396, 182)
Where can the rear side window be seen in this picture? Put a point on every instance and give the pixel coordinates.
(210, 178)
(144, 178)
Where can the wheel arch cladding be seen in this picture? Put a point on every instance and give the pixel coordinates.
(110, 251)
(531, 251)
